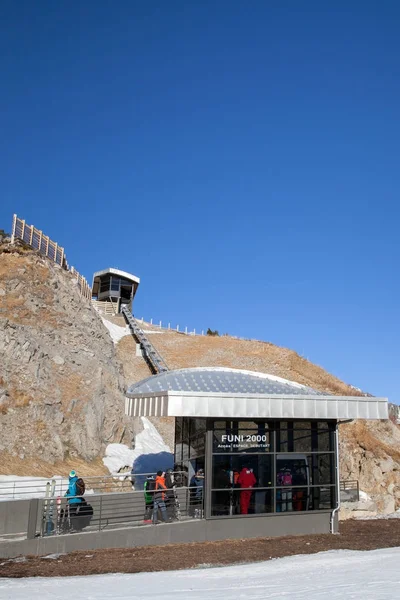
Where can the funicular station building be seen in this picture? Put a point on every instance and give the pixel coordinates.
(115, 286)
(284, 433)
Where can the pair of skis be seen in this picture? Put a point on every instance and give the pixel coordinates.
(48, 508)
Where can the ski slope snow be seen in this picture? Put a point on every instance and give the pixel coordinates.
(337, 575)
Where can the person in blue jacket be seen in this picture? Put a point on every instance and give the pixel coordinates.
(78, 514)
(72, 491)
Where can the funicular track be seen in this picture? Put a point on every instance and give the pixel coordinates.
(154, 359)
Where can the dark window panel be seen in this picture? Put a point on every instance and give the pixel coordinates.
(178, 429)
(197, 426)
(197, 446)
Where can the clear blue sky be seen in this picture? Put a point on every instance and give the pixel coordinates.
(242, 158)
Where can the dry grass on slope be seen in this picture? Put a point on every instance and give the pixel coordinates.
(381, 438)
(182, 351)
(135, 367)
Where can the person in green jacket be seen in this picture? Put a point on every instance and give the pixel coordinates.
(149, 487)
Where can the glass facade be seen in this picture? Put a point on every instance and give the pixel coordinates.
(116, 287)
(259, 466)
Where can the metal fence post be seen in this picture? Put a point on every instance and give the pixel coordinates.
(100, 510)
(32, 518)
(13, 228)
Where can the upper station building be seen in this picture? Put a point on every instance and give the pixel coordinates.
(113, 285)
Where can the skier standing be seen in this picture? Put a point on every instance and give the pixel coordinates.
(246, 479)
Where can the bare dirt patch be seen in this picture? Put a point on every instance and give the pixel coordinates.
(354, 535)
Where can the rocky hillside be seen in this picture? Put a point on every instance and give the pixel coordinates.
(370, 453)
(61, 387)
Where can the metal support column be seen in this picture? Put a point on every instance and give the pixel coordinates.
(208, 468)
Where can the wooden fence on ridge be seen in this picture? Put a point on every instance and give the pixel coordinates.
(37, 240)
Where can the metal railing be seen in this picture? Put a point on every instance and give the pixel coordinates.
(153, 356)
(349, 490)
(58, 516)
(24, 488)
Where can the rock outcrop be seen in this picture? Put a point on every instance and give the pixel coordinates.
(370, 453)
(61, 389)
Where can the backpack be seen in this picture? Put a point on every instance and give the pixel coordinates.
(81, 516)
(168, 480)
(150, 485)
(80, 487)
(287, 479)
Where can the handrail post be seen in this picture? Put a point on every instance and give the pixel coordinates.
(100, 515)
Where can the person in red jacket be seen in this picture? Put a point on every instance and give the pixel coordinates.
(246, 479)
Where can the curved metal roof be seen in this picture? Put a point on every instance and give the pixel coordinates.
(219, 380)
(118, 272)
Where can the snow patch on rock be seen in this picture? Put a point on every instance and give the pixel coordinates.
(149, 455)
(116, 331)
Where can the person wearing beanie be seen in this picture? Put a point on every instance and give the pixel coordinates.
(71, 492)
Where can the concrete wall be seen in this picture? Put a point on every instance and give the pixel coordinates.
(182, 532)
(14, 515)
(108, 509)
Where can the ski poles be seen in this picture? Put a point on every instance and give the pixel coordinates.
(48, 507)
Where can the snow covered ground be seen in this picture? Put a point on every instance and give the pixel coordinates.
(13, 487)
(116, 331)
(337, 575)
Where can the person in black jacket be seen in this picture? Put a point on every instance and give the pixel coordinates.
(196, 494)
(170, 497)
(221, 499)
